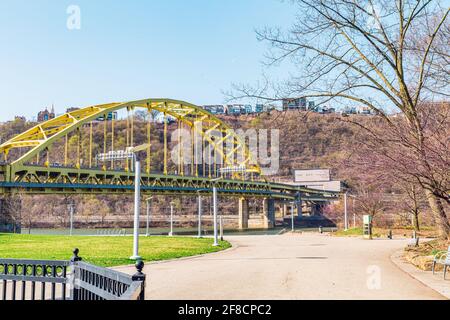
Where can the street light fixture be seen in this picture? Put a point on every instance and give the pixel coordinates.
(122, 155)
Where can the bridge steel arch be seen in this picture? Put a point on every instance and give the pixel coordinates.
(43, 135)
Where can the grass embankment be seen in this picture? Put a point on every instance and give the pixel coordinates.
(103, 251)
(422, 256)
(426, 232)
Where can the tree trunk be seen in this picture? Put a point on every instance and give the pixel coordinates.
(439, 215)
(415, 221)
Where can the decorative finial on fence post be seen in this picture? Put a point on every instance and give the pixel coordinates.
(139, 276)
(75, 257)
(139, 267)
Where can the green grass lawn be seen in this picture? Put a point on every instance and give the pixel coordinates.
(103, 251)
(355, 232)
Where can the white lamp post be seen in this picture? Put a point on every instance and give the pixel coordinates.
(345, 212)
(130, 153)
(292, 216)
(137, 210)
(216, 242)
(216, 236)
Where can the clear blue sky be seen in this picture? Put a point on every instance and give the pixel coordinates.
(125, 50)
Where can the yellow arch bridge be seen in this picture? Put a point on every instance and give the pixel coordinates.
(79, 152)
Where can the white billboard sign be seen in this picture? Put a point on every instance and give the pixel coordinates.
(319, 175)
(325, 186)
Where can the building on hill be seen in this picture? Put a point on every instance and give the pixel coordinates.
(215, 109)
(46, 115)
(311, 105)
(326, 110)
(349, 110)
(365, 110)
(259, 108)
(294, 104)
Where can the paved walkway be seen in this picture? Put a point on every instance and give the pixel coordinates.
(434, 281)
(288, 267)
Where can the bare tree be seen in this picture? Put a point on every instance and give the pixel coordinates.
(30, 212)
(412, 202)
(12, 208)
(384, 55)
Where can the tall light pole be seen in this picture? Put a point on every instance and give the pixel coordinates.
(345, 212)
(147, 231)
(214, 188)
(292, 216)
(137, 198)
(216, 241)
(130, 153)
(137, 209)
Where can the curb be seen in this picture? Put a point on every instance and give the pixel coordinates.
(233, 247)
(440, 286)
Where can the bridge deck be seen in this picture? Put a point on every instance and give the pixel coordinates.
(40, 179)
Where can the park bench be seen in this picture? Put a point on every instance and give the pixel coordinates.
(442, 258)
(67, 280)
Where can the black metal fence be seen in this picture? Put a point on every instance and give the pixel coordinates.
(67, 280)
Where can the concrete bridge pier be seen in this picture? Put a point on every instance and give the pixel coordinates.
(268, 213)
(282, 211)
(299, 205)
(243, 213)
(267, 218)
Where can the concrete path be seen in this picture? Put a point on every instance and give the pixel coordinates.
(288, 267)
(434, 281)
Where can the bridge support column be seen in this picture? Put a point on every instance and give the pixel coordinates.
(316, 209)
(299, 204)
(243, 214)
(269, 213)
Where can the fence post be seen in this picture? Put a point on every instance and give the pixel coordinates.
(74, 291)
(139, 276)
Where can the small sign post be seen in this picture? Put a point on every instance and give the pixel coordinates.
(367, 227)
